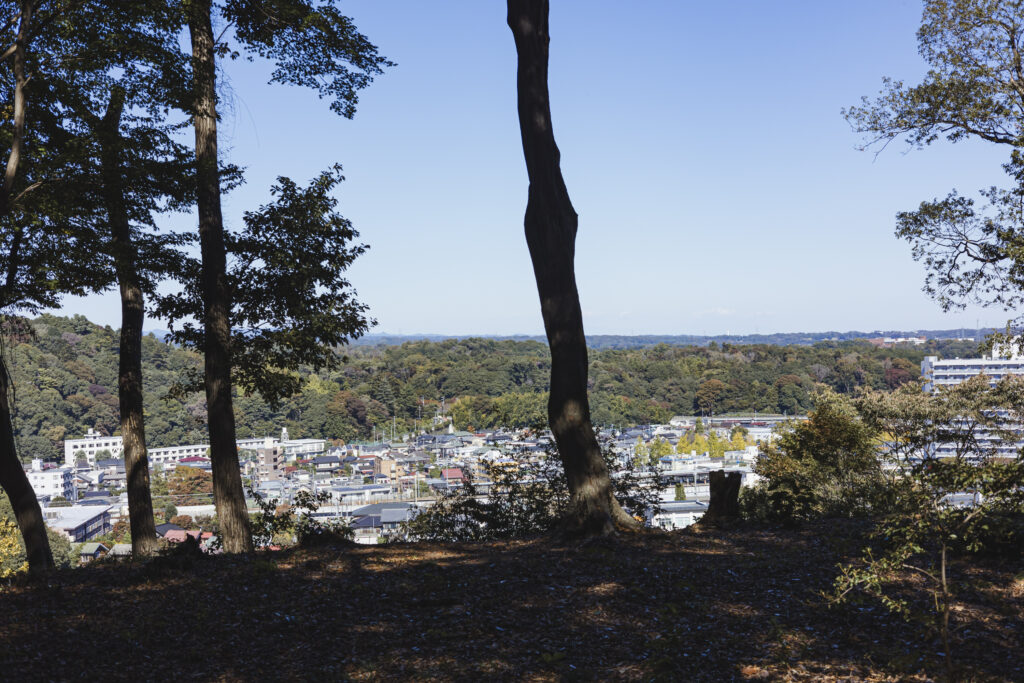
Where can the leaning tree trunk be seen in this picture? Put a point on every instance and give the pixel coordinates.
(551, 224)
(12, 476)
(129, 382)
(15, 482)
(227, 478)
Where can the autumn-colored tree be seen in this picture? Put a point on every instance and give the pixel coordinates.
(641, 452)
(12, 558)
(190, 486)
(184, 521)
(660, 448)
(708, 394)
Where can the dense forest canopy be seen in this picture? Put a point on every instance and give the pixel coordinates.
(66, 379)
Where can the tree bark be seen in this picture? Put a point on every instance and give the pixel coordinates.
(129, 383)
(15, 482)
(13, 479)
(550, 226)
(725, 491)
(227, 478)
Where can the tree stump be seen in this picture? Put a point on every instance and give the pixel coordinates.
(725, 492)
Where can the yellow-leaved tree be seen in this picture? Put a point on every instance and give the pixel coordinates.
(12, 557)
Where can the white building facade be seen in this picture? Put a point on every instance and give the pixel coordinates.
(59, 481)
(93, 443)
(1002, 362)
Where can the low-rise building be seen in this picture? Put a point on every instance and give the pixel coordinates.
(79, 523)
(676, 514)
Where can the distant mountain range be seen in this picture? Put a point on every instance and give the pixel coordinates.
(622, 341)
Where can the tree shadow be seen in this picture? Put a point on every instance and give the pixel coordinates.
(715, 606)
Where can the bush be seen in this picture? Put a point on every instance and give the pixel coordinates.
(524, 500)
(827, 466)
(296, 524)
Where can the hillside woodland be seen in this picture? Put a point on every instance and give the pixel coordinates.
(66, 382)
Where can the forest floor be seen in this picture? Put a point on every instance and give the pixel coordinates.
(744, 604)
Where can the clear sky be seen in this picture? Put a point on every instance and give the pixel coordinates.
(718, 187)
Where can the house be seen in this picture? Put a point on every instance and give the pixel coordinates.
(121, 550)
(392, 518)
(366, 530)
(327, 463)
(162, 529)
(452, 474)
(676, 514)
(179, 535)
(91, 551)
(386, 467)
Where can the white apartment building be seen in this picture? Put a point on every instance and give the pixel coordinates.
(53, 482)
(1002, 362)
(93, 442)
(953, 371)
(89, 445)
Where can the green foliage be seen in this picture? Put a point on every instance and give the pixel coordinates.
(971, 90)
(67, 382)
(825, 466)
(292, 306)
(945, 509)
(522, 501)
(287, 525)
(12, 545)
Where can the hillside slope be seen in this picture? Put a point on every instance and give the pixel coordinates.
(65, 377)
(740, 605)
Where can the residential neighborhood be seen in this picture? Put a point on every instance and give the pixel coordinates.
(375, 487)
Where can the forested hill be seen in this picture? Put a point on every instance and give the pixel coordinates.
(66, 382)
(617, 341)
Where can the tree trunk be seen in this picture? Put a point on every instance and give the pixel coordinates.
(227, 479)
(129, 384)
(15, 482)
(725, 491)
(550, 226)
(12, 476)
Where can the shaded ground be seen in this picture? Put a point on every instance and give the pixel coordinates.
(715, 606)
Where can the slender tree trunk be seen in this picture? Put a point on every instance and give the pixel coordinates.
(550, 225)
(12, 476)
(227, 478)
(947, 645)
(15, 482)
(129, 383)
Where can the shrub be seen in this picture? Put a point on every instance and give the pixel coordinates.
(297, 523)
(826, 466)
(524, 500)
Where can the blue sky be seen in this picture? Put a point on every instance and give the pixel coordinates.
(718, 187)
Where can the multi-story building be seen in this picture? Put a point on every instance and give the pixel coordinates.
(1001, 362)
(53, 482)
(268, 463)
(89, 445)
(94, 443)
(952, 371)
(81, 522)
